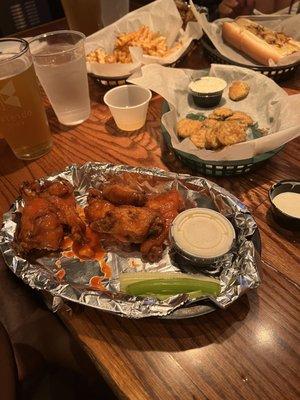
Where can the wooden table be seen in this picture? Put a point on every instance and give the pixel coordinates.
(249, 351)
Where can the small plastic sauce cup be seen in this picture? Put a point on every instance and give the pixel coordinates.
(207, 91)
(128, 105)
(202, 235)
(281, 215)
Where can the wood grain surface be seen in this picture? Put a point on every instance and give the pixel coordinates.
(251, 350)
(246, 352)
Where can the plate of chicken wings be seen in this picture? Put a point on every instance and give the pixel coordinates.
(80, 234)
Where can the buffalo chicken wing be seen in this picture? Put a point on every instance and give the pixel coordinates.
(49, 213)
(169, 205)
(125, 223)
(147, 226)
(120, 215)
(119, 194)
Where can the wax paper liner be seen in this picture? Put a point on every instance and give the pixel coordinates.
(161, 16)
(271, 109)
(238, 271)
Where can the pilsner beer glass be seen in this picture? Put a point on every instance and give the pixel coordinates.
(84, 15)
(23, 121)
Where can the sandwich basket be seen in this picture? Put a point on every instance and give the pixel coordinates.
(277, 73)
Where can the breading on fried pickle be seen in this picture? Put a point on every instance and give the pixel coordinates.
(231, 132)
(221, 113)
(199, 139)
(187, 127)
(238, 90)
(241, 117)
(210, 123)
(212, 141)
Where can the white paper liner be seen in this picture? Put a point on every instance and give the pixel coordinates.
(267, 104)
(287, 24)
(161, 16)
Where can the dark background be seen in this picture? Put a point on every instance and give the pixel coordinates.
(20, 15)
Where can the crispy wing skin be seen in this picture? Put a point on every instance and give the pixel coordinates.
(97, 209)
(60, 188)
(120, 195)
(168, 204)
(40, 226)
(127, 224)
(48, 214)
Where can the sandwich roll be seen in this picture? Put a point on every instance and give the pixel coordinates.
(260, 43)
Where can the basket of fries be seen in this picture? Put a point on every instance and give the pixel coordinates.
(151, 43)
(151, 34)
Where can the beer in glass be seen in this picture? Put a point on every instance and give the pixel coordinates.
(23, 121)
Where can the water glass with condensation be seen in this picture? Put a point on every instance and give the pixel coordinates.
(59, 61)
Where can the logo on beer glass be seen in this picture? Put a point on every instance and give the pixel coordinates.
(7, 96)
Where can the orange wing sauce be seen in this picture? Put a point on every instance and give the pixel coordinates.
(96, 283)
(90, 250)
(60, 274)
(106, 269)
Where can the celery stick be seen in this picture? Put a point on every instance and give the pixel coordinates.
(164, 285)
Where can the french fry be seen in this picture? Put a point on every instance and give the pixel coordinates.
(152, 43)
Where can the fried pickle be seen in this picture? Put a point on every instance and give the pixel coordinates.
(238, 90)
(187, 127)
(221, 113)
(199, 139)
(241, 117)
(231, 132)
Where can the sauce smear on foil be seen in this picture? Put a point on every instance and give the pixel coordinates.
(90, 250)
(96, 283)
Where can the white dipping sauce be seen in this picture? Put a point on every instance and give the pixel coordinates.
(204, 233)
(208, 84)
(289, 203)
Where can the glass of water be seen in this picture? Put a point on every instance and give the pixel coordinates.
(59, 61)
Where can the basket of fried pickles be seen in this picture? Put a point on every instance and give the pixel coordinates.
(222, 121)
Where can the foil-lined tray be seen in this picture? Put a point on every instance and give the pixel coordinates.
(238, 271)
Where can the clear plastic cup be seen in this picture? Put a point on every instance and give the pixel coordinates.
(128, 105)
(59, 61)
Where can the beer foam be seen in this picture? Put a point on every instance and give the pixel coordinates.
(10, 68)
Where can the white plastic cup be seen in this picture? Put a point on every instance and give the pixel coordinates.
(128, 105)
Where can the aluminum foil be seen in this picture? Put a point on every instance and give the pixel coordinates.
(238, 271)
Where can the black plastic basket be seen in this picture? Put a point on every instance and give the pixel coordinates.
(215, 168)
(277, 73)
(111, 81)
